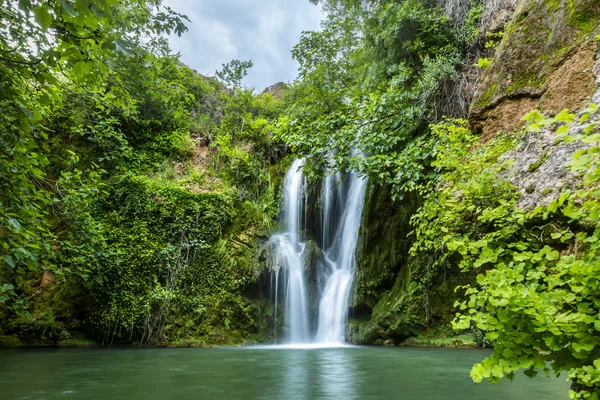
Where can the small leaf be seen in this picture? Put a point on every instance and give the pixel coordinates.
(16, 224)
(10, 261)
(584, 118)
(565, 116)
(552, 255)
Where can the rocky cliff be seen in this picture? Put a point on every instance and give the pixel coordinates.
(547, 59)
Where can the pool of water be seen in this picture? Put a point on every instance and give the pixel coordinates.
(258, 373)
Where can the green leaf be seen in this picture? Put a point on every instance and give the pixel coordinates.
(508, 353)
(82, 69)
(552, 255)
(531, 372)
(503, 315)
(43, 17)
(16, 224)
(497, 371)
(534, 116)
(10, 261)
(565, 116)
(582, 347)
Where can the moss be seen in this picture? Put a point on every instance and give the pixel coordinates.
(383, 244)
(583, 15)
(528, 81)
(459, 341)
(534, 45)
(536, 165)
(396, 296)
(488, 95)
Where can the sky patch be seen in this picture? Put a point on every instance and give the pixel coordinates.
(264, 31)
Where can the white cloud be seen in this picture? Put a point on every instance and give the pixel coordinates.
(263, 31)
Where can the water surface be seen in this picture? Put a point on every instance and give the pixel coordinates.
(258, 373)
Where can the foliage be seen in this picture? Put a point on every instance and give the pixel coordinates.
(472, 27)
(483, 63)
(493, 39)
(233, 72)
(50, 49)
(535, 295)
(368, 98)
(121, 170)
(369, 83)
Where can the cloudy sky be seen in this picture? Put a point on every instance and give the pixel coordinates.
(263, 31)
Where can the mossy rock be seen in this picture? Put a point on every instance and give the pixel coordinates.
(383, 244)
(396, 296)
(459, 341)
(544, 60)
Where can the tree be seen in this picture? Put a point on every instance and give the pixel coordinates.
(233, 72)
(369, 84)
(45, 48)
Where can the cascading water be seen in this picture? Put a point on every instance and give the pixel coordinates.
(289, 255)
(342, 202)
(339, 253)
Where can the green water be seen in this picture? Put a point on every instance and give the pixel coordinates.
(247, 373)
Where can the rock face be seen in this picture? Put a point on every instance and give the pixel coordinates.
(383, 244)
(541, 168)
(541, 161)
(548, 59)
(379, 297)
(497, 14)
(390, 301)
(544, 61)
(276, 90)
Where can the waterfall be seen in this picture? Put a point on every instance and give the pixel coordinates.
(289, 256)
(342, 196)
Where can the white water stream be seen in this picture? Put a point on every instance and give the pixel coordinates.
(342, 202)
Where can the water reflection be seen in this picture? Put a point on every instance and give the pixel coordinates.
(337, 377)
(258, 373)
(297, 378)
(313, 372)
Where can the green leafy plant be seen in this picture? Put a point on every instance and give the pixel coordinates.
(483, 63)
(535, 295)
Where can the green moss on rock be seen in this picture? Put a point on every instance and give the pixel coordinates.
(396, 296)
(537, 40)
